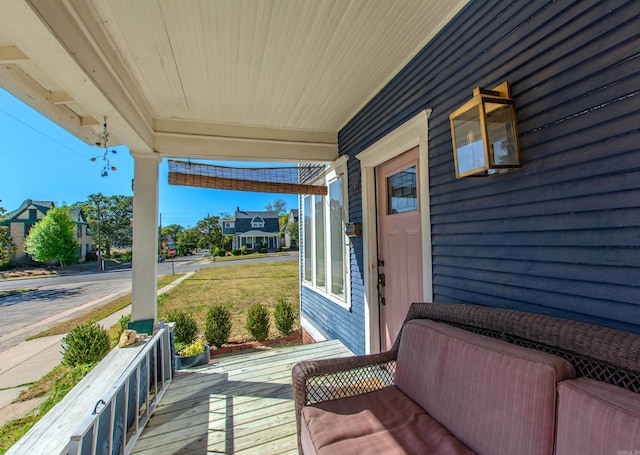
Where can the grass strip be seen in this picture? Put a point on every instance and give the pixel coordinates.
(247, 256)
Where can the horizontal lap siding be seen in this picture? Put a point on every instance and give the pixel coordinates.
(562, 235)
(333, 321)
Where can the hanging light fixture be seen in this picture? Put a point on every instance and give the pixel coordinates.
(104, 142)
(485, 133)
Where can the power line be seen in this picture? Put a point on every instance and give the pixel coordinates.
(52, 139)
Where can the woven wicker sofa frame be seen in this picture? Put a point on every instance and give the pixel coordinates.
(600, 353)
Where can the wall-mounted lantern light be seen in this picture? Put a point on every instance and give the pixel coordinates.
(485, 133)
(353, 229)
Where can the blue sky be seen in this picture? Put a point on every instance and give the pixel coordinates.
(41, 161)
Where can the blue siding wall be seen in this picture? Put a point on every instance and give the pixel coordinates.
(561, 236)
(333, 321)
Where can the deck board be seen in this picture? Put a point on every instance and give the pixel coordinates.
(238, 404)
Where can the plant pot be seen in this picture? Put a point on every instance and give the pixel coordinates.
(191, 361)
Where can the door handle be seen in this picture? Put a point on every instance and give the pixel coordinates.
(381, 283)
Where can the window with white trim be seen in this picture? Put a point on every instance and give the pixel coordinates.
(257, 222)
(325, 254)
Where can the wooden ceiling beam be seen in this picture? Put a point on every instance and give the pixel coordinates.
(11, 54)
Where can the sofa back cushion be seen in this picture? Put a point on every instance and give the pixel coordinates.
(494, 396)
(596, 418)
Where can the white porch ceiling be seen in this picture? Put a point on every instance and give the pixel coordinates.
(260, 80)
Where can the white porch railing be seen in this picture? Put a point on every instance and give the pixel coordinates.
(125, 387)
(132, 399)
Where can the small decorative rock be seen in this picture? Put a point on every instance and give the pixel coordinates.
(128, 338)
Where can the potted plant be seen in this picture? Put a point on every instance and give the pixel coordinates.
(197, 353)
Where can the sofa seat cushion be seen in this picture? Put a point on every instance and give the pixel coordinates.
(384, 421)
(497, 398)
(596, 418)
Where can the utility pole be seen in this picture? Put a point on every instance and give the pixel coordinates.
(99, 254)
(160, 236)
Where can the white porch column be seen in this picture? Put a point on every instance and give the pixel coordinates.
(145, 236)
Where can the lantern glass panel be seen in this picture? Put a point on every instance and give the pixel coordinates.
(468, 140)
(502, 136)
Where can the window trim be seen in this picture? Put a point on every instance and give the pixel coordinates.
(257, 224)
(338, 169)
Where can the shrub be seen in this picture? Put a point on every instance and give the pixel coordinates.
(186, 328)
(123, 321)
(285, 316)
(243, 249)
(86, 344)
(236, 252)
(195, 348)
(258, 322)
(263, 250)
(218, 325)
(219, 252)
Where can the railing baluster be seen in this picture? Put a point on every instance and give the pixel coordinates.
(94, 437)
(139, 384)
(111, 422)
(155, 371)
(148, 386)
(125, 426)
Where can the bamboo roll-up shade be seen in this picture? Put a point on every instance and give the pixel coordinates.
(261, 180)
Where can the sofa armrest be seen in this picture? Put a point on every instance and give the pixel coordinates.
(315, 381)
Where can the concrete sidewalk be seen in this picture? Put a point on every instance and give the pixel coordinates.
(31, 360)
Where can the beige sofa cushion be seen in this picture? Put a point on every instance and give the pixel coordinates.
(497, 398)
(381, 422)
(596, 418)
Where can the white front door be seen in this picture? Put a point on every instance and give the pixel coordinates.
(399, 241)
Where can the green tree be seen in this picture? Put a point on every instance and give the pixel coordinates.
(54, 237)
(173, 231)
(292, 230)
(188, 241)
(211, 230)
(277, 205)
(109, 216)
(6, 242)
(283, 219)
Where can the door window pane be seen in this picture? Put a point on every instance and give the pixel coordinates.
(402, 191)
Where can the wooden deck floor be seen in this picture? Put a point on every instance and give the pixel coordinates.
(238, 404)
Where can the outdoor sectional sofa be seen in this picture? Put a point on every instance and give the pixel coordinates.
(466, 379)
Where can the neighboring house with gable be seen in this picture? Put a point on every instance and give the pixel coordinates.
(253, 229)
(21, 220)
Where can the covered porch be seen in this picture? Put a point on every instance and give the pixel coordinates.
(356, 84)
